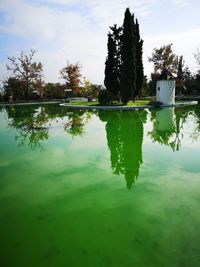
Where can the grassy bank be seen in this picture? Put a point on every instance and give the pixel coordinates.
(130, 103)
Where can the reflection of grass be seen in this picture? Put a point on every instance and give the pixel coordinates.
(130, 103)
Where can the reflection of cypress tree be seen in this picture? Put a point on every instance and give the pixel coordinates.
(124, 136)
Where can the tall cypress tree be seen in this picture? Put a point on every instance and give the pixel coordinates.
(138, 58)
(128, 69)
(112, 65)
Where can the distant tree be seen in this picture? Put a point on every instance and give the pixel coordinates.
(197, 57)
(139, 62)
(25, 71)
(87, 88)
(13, 88)
(54, 90)
(72, 76)
(180, 76)
(164, 58)
(152, 83)
(145, 91)
(40, 88)
(128, 68)
(113, 61)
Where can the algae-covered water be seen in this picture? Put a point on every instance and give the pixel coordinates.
(104, 188)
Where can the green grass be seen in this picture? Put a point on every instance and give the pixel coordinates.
(130, 103)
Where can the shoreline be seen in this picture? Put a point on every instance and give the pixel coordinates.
(182, 104)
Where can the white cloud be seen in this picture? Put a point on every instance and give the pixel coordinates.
(76, 30)
(181, 3)
(184, 43)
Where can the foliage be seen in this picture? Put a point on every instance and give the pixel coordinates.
(145, 88)
(139, 63)
(54, 90)
(164, 58)
(72, 76)
(86, 91)
(25, 71)
(13, 88)
(104, 97)
(197, 57)
(96, 89)
(155, 104)
(113, 61)
(128, 68)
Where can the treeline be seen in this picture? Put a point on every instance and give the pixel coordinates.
(26, 81)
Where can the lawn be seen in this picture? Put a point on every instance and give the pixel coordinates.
(130, 103)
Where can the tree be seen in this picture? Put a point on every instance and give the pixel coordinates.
(25, 71)
(87, 87)
(128, 68)
(197, 57)
(164, 58)
(180, 77)
(139, 63)
(113, 61)
(72, 76)
(12, 89)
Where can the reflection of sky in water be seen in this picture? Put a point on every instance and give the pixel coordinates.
(71, 198)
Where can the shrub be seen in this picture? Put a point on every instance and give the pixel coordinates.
(104, 97)
(156, 104)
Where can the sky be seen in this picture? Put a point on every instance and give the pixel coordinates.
(74, 31)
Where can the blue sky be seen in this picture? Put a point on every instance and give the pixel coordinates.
(76, 31)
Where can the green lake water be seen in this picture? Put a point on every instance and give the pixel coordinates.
(102, 188)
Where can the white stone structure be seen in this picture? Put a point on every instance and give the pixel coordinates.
(165, 91)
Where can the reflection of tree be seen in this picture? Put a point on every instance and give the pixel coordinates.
(196, 131)
(167, 126)
(125, 136)
(76, 122)
(29, 121)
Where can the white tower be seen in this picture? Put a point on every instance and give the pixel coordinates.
(165, 88)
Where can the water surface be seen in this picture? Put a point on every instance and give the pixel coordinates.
(104, 188)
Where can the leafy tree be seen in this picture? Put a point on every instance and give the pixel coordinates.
(180, 76)
(72, 76)
(40, 88)
(96, 89)
(87, 88)
(144, 91)
(25, 71)
(164, 58)
(113, 61)
(54, 90)
(197, 57)
(139, 62)
(128, 68)
(13, 88)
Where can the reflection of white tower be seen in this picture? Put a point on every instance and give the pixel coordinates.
(165, 120)
(165, 88)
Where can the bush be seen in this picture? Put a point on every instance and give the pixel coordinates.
(104, 97)
(155, 104)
